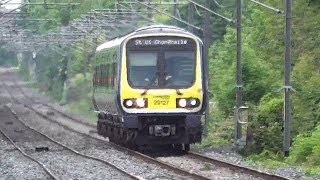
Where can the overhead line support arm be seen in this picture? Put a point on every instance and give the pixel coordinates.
(267, 6)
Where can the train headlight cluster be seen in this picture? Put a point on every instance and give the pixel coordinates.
(136, 103)
(187, 102)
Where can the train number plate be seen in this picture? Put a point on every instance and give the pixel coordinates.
(161, 101)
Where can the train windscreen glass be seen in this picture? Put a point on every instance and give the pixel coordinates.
(179, 68)
(142, 68)
(158, 62)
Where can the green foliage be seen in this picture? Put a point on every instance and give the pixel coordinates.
(222, 66)
(306, 81)
(59, 15)
(85, 108)
(163, 19)
(306, 149)
(24, 73)
(222, 70)
(267, 127)
(80, 87)
(220, 130)
(50, 73)
(206, 167)
(80, 94)
(217, 25)
(8, 58)
(268, 159)
(65, 15)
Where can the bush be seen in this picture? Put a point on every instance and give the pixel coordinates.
(267, 126)
(84, 107)
(220, 130)
(306, 149)
(80, 87)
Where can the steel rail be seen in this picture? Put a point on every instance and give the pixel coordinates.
(220, 163)
(64, 146)
(26, 155)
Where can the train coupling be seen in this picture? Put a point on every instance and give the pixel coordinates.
(162, 130)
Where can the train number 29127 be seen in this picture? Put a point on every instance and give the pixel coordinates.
(160, 102)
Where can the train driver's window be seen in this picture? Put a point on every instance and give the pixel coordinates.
(179, 67)
(142, 68)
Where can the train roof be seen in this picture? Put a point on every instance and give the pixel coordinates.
(145, 30)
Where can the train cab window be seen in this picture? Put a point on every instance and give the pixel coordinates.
(142, 67)
(179, 68)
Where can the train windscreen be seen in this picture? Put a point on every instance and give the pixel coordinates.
(162, 62)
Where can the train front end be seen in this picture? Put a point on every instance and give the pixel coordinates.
(162, 88)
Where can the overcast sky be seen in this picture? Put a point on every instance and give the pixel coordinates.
(12, 6)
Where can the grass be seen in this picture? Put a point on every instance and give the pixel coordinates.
(206, 167)
(83, 107)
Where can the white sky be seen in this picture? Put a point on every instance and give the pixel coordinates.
(12, 6)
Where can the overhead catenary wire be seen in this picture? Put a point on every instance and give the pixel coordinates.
(173, 17)
(209, 10)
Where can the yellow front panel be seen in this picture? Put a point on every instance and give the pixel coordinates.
(161, 100)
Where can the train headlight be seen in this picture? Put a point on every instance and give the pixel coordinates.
(128, 103)
(136, 103)
(187, 102)
(182, 103)
(140, 102)
(193, 102)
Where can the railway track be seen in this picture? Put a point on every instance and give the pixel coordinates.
(149, 159)
(130, 176)
(43, 166)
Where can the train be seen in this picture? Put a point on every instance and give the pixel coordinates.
(150, 88)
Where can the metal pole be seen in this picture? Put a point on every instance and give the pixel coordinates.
(206, 37)
(95, 45)
(149, 9)
(85, 58)
(175, 9)
(68, 74)
(238, 127)
(287, 73)
(190, 16)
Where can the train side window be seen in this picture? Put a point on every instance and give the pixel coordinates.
(113, 74)
(106, 77)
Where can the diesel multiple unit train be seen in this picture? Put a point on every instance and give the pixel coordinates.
(150, 88)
